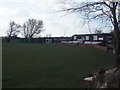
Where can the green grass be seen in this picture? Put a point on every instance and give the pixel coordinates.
(50, 65)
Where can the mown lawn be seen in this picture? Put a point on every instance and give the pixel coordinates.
(50, 65)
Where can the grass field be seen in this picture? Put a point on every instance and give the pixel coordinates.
(50, 65)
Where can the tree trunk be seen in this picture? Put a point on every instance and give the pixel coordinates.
(117, 49)
(116, 29)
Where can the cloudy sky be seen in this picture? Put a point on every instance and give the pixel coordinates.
(55, 23)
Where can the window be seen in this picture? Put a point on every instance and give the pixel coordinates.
(100, 38)
(87, 37)
(94, 37)
(75, 37)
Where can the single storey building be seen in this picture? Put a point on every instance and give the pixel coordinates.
(93, 38)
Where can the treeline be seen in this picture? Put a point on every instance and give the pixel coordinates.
(31, 28)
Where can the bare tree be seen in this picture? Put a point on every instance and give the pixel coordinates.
(13, 29)
(31, 28)
(105, 11)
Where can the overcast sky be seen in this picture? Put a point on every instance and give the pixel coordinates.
(55, 23)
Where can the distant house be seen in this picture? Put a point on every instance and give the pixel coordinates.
(103, 39)
(93, 38)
